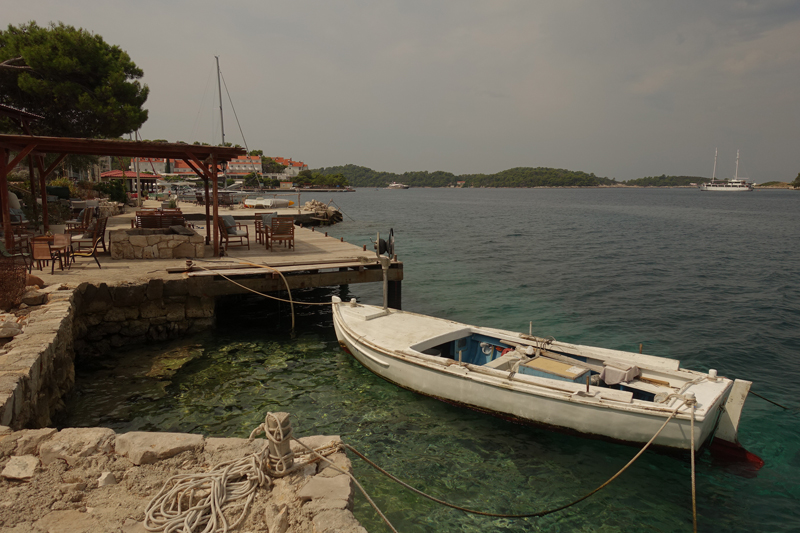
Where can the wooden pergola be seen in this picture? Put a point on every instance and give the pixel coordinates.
(206, 162)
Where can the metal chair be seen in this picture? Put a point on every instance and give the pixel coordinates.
(87, 253)
(23, 255)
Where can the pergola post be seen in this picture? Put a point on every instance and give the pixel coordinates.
(216, 205)
(209, 229)
(9, 233)
(32, 178)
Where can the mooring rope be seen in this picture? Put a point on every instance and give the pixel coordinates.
(188, 502)
(522, 515)
(692, 402)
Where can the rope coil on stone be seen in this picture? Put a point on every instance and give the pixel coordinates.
(205, 502)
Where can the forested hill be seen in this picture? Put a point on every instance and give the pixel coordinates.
(666, 181)
(514, 177)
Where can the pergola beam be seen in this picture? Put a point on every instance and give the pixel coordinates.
(23, 145)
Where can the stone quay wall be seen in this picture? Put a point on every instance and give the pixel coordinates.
(155, 244)
(111, 316)
(37, 367)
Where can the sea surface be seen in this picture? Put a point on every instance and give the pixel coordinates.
(708, 278)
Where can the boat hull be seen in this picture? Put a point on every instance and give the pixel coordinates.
(519, 400)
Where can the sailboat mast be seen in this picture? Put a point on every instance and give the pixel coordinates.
(736, 174)
(219, 88)
(714, 175)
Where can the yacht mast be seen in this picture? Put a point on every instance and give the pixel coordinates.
(714, 175)
(219, 88)
(736, 174)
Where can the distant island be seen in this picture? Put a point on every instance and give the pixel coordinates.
(358, 176)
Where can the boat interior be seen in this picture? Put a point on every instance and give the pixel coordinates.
(540, 358)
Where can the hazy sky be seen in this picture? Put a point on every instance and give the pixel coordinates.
(621, 88)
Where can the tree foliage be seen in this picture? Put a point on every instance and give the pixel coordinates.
(514, 177)
(666, 181)
(270, 166)
(796, 182)
(82, 86)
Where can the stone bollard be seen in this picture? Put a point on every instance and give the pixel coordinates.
(279, 428)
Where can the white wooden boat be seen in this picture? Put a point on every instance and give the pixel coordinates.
(395, 185)
(611, 394)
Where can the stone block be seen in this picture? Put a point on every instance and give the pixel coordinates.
(129, 295)
(339, 460)
(134, 328)
(34, 297)
(9, 329)
(30, 440)
(338, 520)
(145, 448)
(149, 252)
(97, 299)
(201, 324)
(105, 479)
(21, 467)
(155, 289)
(331, 488)
(175, 287)
(199, 250)
(176, 312)
(152, 309)
(71, 443)
(138, 241)
(184, 250)
(199, 307)
(115, 314)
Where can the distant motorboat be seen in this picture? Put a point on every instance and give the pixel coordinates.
(395, 185)
(733, 185)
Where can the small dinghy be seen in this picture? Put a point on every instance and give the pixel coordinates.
(610, 394)
(267, 203)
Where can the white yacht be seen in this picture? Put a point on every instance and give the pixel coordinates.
(734, 185)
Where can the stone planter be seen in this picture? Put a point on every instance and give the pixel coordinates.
(169, 243)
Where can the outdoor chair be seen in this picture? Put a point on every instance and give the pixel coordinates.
(41, 252)
(233, 232)
(13, 256)
(86, 253)
(96, 232)
(200, 199)
(282, 230)
(263, 224)
(80, 224)
(62, 242)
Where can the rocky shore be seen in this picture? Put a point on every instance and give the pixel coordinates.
(91, 480)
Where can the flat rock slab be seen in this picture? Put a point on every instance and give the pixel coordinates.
(30, 439)
(333, 488)
(142, 447)
(71, 443)
(21, 468)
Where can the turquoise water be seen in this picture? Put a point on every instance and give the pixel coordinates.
(710, 279)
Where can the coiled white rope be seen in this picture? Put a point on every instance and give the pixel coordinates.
(203, 503)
